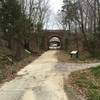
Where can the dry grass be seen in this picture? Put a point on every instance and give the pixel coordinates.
(8, 70)
(83, 57)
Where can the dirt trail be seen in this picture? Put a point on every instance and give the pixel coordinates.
(49, 85)
(37, 81)
(41, 80)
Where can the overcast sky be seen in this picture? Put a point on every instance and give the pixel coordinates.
(55, 5)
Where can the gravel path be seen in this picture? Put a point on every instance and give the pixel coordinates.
(41, 80)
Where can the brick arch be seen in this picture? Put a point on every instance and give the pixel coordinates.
(51, 36)
(54, 33)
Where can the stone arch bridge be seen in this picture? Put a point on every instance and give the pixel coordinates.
(49, 34)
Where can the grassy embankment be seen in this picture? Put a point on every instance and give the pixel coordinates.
(86, 82)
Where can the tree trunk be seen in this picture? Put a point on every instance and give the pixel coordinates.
(19, 51)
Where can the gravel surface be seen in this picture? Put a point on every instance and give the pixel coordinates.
(43, 79)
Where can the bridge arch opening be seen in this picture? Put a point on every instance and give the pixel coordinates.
(54, 43)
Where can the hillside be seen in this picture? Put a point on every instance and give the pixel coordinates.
(9, 66)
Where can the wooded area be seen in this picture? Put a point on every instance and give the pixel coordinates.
(21, 21)
(82, 17)
(74, 45)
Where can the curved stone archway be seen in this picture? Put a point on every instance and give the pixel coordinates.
(54, 43)
(54, 33)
